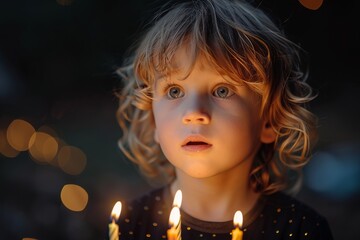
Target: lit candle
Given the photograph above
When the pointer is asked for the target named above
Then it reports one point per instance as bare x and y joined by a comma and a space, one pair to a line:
174, 232
177, 203
177, 199
113, 227
237, 234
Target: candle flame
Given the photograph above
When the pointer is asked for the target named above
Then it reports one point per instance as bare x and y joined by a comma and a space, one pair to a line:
177, 199
115, 213
174, 216
238, 219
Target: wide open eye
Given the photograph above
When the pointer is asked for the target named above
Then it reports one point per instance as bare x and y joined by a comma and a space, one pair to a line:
174, 92
223, 92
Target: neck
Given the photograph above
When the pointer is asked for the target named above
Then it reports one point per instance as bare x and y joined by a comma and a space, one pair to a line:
215, 198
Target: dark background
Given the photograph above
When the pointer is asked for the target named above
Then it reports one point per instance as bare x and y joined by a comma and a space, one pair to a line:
57, 62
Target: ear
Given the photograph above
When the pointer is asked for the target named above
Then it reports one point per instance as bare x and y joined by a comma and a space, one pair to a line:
268, 134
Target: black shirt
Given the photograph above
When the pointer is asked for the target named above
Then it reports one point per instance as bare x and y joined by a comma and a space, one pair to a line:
277, 216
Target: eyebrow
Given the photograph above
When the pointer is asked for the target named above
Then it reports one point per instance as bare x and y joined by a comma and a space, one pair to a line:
161, 79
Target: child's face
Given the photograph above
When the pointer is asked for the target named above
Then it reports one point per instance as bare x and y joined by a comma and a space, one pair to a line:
205, 125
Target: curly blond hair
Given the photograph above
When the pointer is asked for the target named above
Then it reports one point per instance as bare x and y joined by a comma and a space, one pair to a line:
244, 42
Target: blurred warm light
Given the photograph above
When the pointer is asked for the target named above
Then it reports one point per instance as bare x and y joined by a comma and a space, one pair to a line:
61, 143
238, 219
74, 197
48, 130
43, 147
177, 199
311, 4
29, 239
19, 133
115, 213
71, 160
64, 2
174, 218
5, 148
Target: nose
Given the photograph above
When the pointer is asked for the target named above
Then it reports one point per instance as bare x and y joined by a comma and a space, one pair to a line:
196, 112
196, 118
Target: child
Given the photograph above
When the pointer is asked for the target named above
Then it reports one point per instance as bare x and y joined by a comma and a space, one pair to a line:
214, 105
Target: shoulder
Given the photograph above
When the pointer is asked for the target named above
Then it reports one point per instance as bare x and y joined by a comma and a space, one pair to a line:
154, 201
282, 203
289, 216
150, 197
286, 202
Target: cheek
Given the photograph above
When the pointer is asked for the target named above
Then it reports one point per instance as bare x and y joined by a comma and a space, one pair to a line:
166, 137
156, 136
164, 122
239, 121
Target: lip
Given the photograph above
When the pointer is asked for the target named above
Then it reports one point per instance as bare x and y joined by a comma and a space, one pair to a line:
196, 143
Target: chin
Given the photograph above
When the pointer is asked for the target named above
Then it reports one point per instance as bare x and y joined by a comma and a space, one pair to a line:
198, 172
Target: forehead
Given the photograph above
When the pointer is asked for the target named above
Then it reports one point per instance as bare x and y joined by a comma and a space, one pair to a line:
185, 60
188, 57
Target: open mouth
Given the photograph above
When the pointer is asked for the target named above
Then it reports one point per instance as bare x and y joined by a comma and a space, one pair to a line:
195, 144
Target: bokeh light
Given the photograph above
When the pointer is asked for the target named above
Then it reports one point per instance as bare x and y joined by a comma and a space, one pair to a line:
5, 148
19, 133
48, 130
335, 173
43, 147
71, 160
74, 197
311, 4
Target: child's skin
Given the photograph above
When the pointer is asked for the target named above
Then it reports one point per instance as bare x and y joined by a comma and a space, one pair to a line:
214, 104
223, 119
